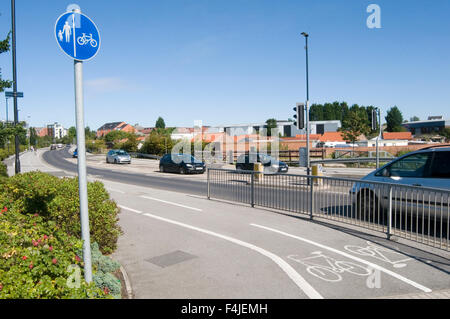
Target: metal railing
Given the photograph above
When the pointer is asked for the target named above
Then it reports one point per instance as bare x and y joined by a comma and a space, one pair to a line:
415, 213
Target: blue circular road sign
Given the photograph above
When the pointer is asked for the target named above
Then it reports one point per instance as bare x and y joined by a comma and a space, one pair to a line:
77, 36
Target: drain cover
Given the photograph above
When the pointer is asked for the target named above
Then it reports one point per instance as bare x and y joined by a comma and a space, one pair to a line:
170, 259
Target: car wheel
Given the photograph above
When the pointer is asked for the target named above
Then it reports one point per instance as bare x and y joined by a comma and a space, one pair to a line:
367, 207
182, 171
161, 168
115, 161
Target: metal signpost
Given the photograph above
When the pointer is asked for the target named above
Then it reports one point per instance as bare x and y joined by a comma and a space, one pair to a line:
79, 38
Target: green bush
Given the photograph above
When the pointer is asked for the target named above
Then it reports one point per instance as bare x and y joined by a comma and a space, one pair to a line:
57, 200
36, 258
3, 170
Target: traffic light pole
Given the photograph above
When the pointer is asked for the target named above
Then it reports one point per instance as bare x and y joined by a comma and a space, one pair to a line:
378, 138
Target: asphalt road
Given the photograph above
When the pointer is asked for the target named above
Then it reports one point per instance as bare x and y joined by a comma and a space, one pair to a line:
179, 245
57, 158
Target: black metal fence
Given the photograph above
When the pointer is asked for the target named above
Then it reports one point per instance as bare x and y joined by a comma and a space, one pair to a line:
416, 213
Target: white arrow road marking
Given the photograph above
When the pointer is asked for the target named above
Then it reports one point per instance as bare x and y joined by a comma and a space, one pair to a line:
292, 274
374, 266
171, 203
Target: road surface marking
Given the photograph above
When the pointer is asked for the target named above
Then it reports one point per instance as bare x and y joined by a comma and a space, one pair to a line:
171, 203
130, 209
374, 266
115, 190
288, 269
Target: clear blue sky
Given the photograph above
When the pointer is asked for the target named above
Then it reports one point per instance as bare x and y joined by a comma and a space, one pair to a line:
231, 61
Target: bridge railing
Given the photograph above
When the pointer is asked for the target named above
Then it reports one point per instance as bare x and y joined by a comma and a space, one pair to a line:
415, 213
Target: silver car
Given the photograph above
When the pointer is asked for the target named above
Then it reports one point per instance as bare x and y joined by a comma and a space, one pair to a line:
411, 179
118, 157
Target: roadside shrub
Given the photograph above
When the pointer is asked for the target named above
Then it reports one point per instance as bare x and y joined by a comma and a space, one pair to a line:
57, 200
3, 170
35, 256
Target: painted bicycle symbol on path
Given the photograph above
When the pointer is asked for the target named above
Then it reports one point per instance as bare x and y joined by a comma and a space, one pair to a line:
397, 260
329, 269
85, 39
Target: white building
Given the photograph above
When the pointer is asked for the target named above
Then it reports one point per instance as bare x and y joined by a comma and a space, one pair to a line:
56, 130
285, 128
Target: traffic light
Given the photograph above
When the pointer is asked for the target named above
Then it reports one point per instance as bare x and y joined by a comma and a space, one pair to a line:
299, 116
374, 120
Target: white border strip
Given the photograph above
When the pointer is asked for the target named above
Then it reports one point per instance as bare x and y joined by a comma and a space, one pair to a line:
171, 203
374, 266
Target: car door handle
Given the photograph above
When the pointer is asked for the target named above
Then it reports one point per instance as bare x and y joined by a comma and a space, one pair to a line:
416, 185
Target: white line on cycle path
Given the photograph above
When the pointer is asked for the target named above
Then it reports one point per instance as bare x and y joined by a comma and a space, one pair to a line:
374, 266
292, 274
130, 209
172, 203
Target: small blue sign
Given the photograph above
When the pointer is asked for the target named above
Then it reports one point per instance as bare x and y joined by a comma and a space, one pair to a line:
77, 36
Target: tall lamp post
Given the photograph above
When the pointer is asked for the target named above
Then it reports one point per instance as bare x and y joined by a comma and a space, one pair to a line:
306, 35
16, 113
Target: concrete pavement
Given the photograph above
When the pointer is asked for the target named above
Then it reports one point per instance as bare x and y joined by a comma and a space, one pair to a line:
178, 245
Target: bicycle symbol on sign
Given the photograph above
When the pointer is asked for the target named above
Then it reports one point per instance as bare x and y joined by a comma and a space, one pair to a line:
332, 269
85, 39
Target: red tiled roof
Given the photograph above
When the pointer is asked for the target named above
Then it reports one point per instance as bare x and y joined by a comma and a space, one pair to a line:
397, 136
331, 137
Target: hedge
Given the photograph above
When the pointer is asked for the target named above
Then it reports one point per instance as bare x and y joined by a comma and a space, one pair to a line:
40, 238
36, 257
57, 200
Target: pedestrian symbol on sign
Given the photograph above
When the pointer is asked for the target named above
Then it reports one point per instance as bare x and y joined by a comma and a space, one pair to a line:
77, 36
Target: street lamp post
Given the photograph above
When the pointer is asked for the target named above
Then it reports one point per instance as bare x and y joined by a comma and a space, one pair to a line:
306, 35
16, 113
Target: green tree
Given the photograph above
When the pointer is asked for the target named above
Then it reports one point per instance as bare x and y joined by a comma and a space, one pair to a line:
414, 119
394, 119
157, 144
354, 124
115, 136
33, 137
160, 124
4, 47
131, 144
271, 124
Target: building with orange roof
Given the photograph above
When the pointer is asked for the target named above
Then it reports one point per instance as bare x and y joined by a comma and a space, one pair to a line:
397, 136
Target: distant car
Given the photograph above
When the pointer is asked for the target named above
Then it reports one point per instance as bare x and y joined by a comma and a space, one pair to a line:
118, 157
60, 145
52, 147
271, 165
75, 153
428, 167
181, 163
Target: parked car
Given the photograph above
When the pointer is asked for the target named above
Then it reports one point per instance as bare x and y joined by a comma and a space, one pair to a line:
429, 167
60, 145
52, 147
181, 163
75, 153
271, 165
118, 157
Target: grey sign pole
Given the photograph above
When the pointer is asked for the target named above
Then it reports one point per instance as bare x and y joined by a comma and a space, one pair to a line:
82, 178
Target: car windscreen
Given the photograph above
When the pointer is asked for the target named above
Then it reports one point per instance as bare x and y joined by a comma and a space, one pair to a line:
121, 153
